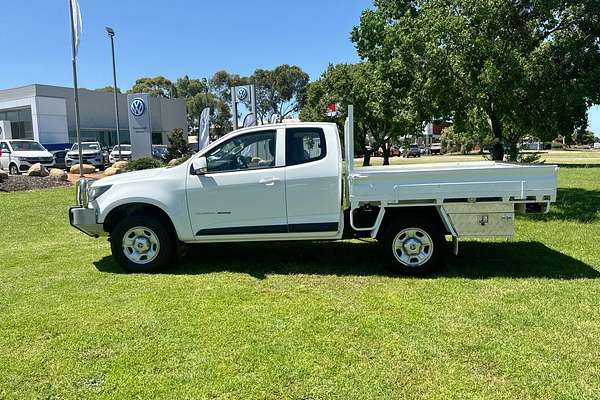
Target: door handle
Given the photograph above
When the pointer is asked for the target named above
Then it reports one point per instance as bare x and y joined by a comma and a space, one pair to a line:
269, 181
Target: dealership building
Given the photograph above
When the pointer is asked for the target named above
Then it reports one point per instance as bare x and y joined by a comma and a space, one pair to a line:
47, 114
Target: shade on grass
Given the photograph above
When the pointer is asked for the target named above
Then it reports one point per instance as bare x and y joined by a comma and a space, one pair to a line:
515, 319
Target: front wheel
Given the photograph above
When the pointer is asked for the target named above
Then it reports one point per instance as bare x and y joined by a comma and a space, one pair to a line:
13, 169
140, 243
414, 247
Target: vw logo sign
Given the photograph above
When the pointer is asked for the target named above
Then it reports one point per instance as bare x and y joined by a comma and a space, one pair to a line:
137, 107
242, 94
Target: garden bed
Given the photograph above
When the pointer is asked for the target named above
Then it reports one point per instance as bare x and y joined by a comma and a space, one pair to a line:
19, 183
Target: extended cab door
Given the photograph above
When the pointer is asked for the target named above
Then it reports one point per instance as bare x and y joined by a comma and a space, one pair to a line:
242, 196
313, 180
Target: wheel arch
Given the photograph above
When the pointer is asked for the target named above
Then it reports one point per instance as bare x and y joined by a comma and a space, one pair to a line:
139, 208
427, 213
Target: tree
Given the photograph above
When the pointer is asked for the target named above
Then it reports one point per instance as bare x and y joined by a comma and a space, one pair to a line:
279, 91
107, 89
158, 86
178, 146
527, 68
584, 137
374, 105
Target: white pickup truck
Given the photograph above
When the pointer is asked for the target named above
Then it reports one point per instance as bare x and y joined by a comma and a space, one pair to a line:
289, 182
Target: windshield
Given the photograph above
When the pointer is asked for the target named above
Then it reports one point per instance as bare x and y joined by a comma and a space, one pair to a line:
26, 146
86, 146
124, 147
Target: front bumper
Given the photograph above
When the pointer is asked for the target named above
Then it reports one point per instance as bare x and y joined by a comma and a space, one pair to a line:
96, 162
84, 219
25, 165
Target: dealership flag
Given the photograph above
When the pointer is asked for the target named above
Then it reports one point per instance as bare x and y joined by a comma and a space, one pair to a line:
77, 26
249, 120
204, 131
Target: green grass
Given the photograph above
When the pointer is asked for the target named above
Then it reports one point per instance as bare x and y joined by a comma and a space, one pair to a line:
561, 157
513, 319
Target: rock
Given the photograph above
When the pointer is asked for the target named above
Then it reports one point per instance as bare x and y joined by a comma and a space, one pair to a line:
37, 170
87, 169
3, 175
173, 162
112, 171
58, 174
120, 165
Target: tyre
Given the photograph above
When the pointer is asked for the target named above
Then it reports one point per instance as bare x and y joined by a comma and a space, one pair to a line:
414, 247
13, 169
141, 243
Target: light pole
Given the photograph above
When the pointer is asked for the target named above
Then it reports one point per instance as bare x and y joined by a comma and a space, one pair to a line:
111, 35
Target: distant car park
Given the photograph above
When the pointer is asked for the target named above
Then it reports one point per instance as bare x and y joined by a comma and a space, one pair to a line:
159, 152
412, 151
19, 155
125, 154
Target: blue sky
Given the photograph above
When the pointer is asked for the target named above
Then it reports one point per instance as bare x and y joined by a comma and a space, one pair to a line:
176, 37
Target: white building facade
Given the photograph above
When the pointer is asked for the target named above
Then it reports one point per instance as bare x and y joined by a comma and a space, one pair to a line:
47, 114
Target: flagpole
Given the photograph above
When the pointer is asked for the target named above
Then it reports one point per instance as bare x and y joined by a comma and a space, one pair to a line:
74, 60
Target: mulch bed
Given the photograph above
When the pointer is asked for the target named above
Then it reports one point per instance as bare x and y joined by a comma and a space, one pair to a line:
22, 183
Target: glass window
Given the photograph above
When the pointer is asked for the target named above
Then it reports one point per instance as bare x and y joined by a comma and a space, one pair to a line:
85, 146
251, 151
157, 138
4, 146
26, 146
304, 145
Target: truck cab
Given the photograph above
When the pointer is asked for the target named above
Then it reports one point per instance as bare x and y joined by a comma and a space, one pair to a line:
290, 182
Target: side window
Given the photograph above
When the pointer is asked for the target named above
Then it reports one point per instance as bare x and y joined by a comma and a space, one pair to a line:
304, 145
4, 147
252, 151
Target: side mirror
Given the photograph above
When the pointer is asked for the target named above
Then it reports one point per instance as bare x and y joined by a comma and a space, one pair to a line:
199, 166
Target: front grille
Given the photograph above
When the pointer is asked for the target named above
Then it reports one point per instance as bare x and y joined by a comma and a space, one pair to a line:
34, 160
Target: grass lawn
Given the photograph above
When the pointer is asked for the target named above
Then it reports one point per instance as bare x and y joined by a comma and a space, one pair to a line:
513, 319
562, 157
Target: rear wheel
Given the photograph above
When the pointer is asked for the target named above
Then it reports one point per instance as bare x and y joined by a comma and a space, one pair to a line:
414, 247
141, 243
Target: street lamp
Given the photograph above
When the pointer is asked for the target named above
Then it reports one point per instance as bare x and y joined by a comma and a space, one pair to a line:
111, 35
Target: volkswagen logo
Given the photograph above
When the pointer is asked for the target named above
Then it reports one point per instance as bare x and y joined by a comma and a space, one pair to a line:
137, 107
242, 93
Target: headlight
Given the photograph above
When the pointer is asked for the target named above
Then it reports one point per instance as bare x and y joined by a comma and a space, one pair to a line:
97, 191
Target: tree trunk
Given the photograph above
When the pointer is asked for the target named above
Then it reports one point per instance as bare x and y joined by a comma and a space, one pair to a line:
368, 150
498, 146
386, 152
367, 159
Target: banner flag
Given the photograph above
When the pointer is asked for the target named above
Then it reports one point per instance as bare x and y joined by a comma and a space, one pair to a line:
77, 24
249, 120
204, 131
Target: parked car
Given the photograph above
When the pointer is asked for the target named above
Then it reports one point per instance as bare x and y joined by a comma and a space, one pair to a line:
159, 152
287, 182
436, 148
92, 153
125, 154
597, 146
412, 151
19, 155
59, 158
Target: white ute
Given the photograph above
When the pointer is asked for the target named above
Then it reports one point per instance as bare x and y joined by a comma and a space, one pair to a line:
289, 182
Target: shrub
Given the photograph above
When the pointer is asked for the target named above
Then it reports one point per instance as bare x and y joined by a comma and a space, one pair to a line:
178, 146
143, 163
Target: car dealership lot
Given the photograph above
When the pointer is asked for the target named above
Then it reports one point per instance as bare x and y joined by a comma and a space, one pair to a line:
503, 320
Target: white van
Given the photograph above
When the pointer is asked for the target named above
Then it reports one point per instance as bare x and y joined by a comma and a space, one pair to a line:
597, 146
18, 155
